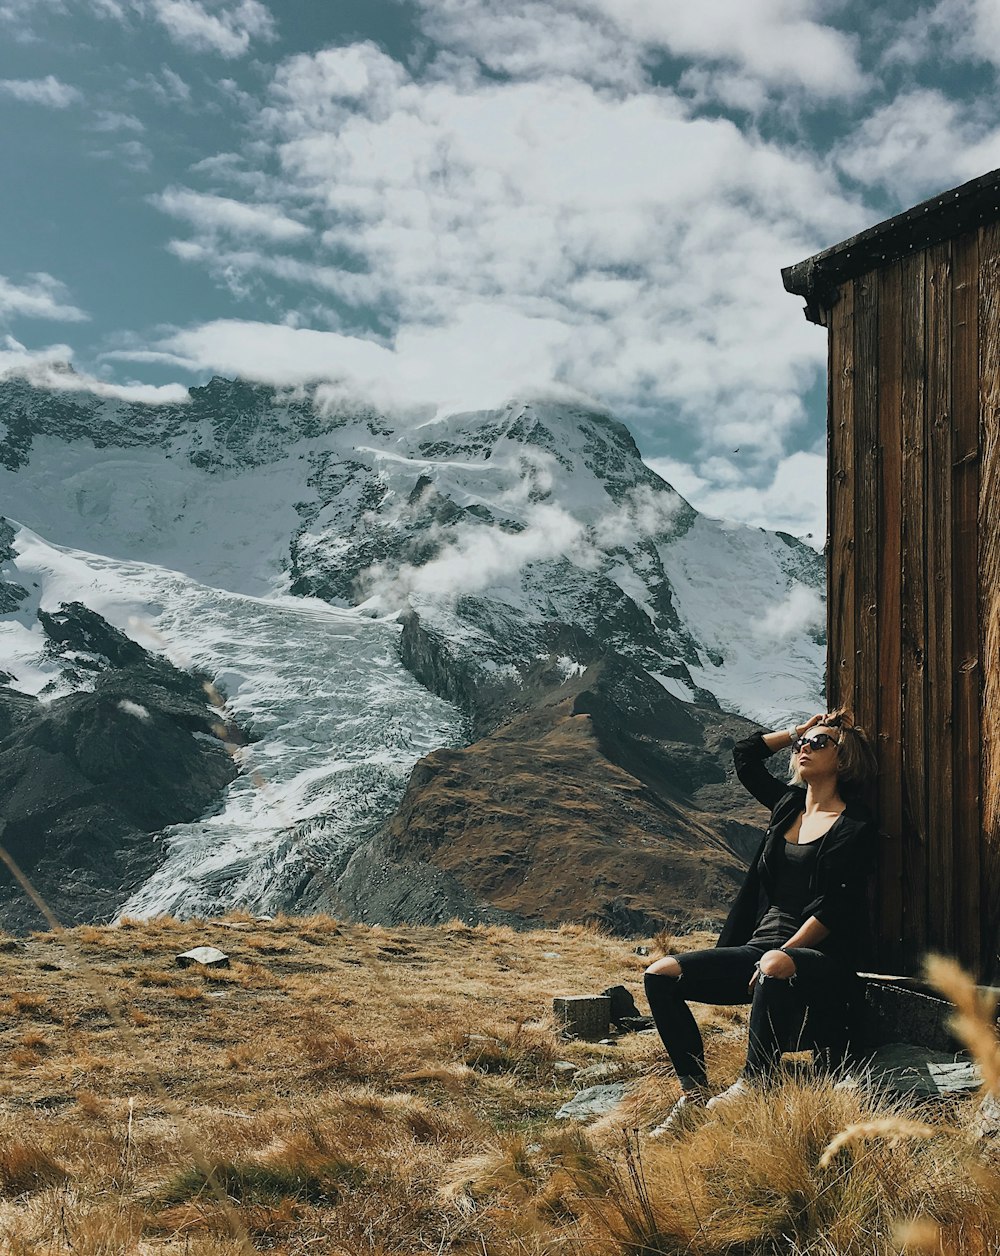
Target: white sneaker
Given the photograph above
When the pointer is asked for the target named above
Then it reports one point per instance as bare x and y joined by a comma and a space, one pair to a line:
727, 1097
683, 1116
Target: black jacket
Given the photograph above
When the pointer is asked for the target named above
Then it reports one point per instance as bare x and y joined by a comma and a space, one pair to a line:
843, 864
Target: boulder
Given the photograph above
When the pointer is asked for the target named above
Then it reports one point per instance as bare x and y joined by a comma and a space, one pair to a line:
594, 1101
206, 956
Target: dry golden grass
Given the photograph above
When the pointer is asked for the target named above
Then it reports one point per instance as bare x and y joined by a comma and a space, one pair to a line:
349, 1090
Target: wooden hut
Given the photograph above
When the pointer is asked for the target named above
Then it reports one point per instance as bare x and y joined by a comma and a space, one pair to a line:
912, 311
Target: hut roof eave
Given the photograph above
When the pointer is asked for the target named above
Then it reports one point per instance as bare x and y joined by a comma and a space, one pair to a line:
941, 218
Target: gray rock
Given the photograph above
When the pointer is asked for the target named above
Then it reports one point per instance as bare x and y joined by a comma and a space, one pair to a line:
594, 1101
597, 1073
206, 956
622, 1004
565, 1067
986, 1122
920, 1073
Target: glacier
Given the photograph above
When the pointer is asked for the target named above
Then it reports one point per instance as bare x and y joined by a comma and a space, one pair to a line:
336, 721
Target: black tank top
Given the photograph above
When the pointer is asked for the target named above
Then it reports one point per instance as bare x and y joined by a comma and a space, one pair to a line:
793, 877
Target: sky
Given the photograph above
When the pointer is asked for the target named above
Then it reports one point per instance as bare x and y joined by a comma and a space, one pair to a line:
444, 204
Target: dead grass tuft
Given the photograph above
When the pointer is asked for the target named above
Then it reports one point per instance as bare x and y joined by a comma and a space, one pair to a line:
27, 1166
893, 1129
22, 1001
516, 1048
288, 1174
189, 994
337, 1052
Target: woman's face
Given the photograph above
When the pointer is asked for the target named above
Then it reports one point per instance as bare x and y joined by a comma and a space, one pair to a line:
814, 761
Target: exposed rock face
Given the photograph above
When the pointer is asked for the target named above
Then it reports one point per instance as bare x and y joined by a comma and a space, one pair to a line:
11, 594
86, 779
607, 800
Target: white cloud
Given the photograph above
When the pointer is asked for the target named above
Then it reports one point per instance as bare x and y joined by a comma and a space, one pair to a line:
920, 143
52, 368
134, 708
483, 355
42, 296
535, 39
780, 44
167, 87
803, 610
224, 28
679, 475
474, 557
17, 15
149, 356
109, 120
48, 91
792, 498
542, 201
777, 41
212, 214
477, 558
133, 154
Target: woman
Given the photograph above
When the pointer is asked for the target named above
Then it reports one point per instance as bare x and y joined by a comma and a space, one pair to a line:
797, 929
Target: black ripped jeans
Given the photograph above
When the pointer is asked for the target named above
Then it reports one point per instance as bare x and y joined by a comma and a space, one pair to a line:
810, 1010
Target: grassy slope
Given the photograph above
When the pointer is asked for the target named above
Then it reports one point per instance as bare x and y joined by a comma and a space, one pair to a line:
359, 1090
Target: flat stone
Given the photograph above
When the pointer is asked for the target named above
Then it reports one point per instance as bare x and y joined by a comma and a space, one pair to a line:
565, 1066
594, 1101
597, 1073
920, 1073
636, 1024
207, 956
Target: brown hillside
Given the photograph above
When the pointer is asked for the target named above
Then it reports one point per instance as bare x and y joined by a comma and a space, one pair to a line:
607, 800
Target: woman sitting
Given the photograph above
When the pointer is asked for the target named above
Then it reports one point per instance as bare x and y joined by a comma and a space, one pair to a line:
797, 929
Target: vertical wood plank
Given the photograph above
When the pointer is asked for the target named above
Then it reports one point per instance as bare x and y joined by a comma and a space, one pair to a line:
941, 852
914, 612
989, 582
866, 562
840, 503
889, 598
967, 674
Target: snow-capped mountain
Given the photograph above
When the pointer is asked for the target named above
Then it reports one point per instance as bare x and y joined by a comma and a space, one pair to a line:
280, 545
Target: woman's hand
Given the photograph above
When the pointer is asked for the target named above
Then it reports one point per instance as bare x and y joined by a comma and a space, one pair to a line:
783, 737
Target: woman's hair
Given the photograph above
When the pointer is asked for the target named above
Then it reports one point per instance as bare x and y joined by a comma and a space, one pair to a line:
856, 761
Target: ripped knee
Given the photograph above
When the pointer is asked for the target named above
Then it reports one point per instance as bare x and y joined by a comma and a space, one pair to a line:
666, 967
777, 964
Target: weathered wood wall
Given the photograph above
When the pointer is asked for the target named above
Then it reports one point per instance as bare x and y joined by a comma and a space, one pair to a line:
914, 583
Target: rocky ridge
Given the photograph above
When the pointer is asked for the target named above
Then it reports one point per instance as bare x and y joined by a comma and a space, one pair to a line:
87, 778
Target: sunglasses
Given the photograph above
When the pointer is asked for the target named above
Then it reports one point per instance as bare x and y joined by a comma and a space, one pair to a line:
818, 741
